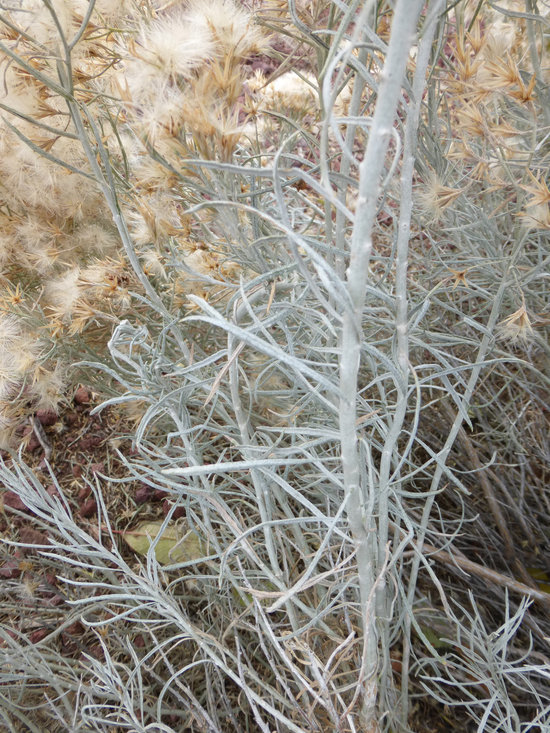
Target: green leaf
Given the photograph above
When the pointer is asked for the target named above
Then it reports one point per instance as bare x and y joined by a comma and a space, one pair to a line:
175, 544
434, 639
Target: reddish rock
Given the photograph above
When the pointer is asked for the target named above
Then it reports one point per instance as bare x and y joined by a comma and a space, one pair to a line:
54, 600
30, 536
14, 501
139, 641
76, 470
82, 396
32, 442
71, 418
46, 417
143, 494
177, 513
97, 467
38, 635
88, 508
75, 629
10, 569
89, 441
160, 495
96, 651
51, 579
12, 634
68, 645
84, 493
52, 490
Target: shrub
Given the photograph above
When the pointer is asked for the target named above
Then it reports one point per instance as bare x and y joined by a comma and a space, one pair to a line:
325, 321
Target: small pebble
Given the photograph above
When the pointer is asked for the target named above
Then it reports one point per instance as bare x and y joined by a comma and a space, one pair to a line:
10, 569
88, 508
38, 635
14, 501
46, 417
96, 651
54, 600
82, 396
31, 536
176, 514
84, 493
52, 490
89, 441
32, 443
143, 494
75, 629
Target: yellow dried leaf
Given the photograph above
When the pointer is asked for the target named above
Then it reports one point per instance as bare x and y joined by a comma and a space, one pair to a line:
175, 544
542, 578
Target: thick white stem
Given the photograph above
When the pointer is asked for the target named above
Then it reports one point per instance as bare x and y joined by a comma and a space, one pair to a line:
361, 517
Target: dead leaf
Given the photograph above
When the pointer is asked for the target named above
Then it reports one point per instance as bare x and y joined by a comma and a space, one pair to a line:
542, 578
175, 544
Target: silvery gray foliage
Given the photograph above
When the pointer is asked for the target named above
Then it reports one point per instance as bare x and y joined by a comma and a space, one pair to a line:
287, 421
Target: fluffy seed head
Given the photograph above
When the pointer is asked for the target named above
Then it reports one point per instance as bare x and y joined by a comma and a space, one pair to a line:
47, 387
434, 197
516, 329
62, 293
174, 46
231, 26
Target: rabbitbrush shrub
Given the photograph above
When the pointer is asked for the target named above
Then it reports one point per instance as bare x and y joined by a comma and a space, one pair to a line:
305, 245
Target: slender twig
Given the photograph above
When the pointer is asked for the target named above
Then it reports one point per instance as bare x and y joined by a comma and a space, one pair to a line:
41, 436
481, 571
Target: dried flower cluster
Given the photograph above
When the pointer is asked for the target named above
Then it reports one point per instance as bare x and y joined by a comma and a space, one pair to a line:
489, 84
169, 84
493, 85
58, 241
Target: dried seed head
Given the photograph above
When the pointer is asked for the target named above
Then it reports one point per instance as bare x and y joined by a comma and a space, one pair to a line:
434, 197
175, 47
62, 293
536, 217
47, 387
231, 26
291, 92
516, 329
